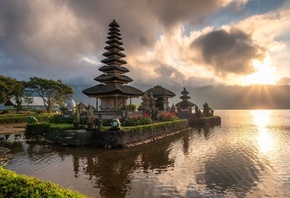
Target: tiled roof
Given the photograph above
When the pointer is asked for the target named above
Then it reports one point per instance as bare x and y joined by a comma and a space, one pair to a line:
159, 91
103, 90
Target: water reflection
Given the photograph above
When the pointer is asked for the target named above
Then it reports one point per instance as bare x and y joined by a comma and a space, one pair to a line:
110, 171
265, 138
235, 160
241, 173
206, 131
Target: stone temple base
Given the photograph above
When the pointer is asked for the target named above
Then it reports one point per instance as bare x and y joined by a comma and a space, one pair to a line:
213, 120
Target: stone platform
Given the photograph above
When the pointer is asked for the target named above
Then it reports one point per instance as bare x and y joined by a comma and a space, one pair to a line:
213, 120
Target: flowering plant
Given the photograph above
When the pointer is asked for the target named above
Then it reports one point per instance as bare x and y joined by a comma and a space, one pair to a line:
137, 120
166, 116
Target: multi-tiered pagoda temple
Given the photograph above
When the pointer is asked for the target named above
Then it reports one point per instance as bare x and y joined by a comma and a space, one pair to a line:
184, 108
112, 91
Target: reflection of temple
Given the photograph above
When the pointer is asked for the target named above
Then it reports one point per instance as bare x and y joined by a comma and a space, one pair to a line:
110, 170
184, 108
161, 94
112, 92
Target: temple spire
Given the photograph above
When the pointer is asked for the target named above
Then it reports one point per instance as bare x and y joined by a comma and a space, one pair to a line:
113, 90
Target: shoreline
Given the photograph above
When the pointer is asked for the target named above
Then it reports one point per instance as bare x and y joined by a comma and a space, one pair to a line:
12, 128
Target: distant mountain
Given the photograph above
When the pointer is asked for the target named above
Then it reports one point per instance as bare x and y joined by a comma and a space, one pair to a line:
224, 97
243, 97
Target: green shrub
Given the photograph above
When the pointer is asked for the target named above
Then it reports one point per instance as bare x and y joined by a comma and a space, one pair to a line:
131, 107
22, 118
13, 185
106, 122
37, 129
48, 130
158, 127
56, 129
58, 118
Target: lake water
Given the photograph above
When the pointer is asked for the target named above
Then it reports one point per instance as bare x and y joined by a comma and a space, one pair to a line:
248, 155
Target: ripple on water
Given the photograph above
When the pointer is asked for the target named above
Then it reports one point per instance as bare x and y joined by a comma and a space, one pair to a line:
244, 157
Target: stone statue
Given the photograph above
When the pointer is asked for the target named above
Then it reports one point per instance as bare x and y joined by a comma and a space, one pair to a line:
152, 105
116, 125
145, 103
31, 119
77, 117
100, 121
91, 116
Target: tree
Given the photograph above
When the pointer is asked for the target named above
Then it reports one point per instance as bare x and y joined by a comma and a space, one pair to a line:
206, 109
52, 92
28, 99
10, 87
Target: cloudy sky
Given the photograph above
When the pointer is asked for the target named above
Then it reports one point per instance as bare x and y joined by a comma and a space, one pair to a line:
176, 44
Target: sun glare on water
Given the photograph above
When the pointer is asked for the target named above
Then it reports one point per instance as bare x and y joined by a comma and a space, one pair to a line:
265, 139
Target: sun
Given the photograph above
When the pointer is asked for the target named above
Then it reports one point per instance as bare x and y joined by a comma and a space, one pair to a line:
265, 73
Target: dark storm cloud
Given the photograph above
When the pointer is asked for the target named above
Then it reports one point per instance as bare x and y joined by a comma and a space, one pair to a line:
49, 37
139, 19
43, 38
170, 13
228, 52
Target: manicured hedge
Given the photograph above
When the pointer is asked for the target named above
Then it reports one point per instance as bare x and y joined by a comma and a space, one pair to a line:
37, 129
158, 128
138, 134
48, 130
22, 118
14, 185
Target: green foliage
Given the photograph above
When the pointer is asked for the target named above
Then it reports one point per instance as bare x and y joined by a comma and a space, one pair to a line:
56, 129
140, 107
37, 129
135, 134
13, 185
48, 130
57, 119
22, 118
28, 99
130, 135
52, 92
159, 126
131, 107
106, 122
10, 87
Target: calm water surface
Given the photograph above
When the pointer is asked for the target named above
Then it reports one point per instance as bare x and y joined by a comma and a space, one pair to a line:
247, 156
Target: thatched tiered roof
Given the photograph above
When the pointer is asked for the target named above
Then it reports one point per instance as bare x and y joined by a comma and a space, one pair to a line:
113, 78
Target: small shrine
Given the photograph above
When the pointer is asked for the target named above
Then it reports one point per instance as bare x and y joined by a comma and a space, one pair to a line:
161, 96
82, 106
184, 108
112, 90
